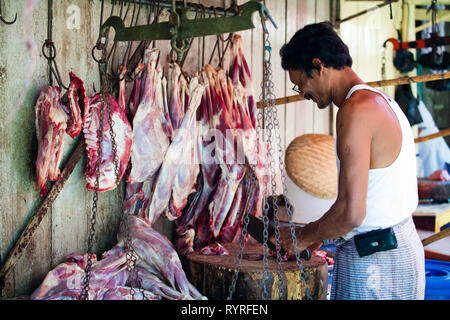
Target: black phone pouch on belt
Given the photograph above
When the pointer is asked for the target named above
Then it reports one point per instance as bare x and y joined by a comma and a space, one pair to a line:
375, 241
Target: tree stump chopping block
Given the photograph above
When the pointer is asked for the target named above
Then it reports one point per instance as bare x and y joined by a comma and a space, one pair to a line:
212, 275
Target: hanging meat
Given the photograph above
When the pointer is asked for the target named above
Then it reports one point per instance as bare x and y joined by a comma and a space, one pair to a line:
75, 101
51, 123
158, 265
232, 170
138, 196
123, 139
176, 153
239, 71
150, 140
209, 175
55, 115
108, 280
176, 95
135, 97
185, 180
236, 151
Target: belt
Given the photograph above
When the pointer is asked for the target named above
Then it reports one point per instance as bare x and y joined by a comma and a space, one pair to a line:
341, 240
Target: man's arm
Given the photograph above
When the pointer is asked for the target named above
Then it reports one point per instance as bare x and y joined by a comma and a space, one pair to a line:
354, 130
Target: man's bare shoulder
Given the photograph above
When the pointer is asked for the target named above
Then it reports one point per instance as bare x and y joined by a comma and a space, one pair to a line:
363, 107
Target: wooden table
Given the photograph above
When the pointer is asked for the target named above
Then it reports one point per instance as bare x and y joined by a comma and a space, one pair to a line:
432, 217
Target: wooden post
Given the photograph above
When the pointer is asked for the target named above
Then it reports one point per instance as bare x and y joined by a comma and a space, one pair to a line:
41, 211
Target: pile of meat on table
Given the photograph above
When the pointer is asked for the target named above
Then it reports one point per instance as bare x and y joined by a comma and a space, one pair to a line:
188, 151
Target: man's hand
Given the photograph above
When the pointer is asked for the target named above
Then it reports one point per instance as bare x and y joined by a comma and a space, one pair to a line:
287, 242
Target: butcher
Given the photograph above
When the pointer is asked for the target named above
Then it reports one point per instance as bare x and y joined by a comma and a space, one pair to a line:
378, 252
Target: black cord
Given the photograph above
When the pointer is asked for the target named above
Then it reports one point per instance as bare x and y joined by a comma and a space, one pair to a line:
390, 8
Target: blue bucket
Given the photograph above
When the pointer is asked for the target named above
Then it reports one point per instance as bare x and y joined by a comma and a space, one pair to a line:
437, 277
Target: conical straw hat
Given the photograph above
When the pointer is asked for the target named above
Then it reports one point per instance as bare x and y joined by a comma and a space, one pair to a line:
311, 164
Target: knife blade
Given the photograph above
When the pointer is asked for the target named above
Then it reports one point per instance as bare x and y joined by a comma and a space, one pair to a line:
256, 229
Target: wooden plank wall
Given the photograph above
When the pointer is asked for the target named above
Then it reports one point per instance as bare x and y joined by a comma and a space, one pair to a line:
365, 36
64, 229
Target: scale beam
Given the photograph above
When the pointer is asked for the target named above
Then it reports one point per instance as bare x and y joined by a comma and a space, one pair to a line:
180, 27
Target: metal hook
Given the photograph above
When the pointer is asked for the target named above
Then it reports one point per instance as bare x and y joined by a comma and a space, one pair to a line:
52, 50
8, 22
3, 19
264, 12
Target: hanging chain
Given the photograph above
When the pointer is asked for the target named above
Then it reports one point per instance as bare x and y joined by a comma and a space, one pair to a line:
269, 104
131, 257
270, 123
246, 220
242, 240
91, 238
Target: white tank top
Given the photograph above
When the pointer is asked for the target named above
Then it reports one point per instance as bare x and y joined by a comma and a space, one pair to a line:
392, 191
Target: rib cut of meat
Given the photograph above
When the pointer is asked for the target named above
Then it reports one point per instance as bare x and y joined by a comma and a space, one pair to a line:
124, 140
51, 123
150, 140
75, 101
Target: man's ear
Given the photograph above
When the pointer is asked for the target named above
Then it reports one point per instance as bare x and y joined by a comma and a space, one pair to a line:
318, 65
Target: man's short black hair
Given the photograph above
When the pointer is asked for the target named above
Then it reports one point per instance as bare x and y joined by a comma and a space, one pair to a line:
318, 40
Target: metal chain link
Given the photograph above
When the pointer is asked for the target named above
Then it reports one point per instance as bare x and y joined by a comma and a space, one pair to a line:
246, 219
269, 104
242, 241
268, 178
271, 122
131, 257
87, 270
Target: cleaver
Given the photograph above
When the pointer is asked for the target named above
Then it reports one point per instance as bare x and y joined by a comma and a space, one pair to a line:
256, 229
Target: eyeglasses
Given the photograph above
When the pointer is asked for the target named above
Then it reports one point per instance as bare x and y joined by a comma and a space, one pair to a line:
296, 89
